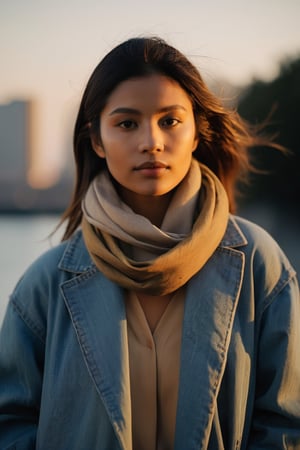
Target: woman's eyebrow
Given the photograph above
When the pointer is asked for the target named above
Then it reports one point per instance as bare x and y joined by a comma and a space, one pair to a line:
126, 110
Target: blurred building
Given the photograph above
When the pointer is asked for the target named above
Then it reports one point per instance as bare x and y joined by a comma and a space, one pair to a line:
14, 141
17, 153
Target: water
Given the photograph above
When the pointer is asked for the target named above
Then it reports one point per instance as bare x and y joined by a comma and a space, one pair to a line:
23, 238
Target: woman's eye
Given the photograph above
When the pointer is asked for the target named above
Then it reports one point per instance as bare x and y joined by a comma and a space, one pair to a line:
127, 124
169, 122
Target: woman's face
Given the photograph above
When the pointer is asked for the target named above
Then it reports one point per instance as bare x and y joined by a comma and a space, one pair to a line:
148, 135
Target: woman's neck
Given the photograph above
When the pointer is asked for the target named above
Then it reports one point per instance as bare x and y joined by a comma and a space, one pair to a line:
151, 207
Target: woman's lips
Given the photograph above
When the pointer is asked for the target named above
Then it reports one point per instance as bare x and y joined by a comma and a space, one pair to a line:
152, 165
152, 168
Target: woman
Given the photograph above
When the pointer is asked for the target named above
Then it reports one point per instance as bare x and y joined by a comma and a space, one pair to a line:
162, 320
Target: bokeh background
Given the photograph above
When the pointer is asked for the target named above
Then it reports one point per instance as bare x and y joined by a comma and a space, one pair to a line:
248, 53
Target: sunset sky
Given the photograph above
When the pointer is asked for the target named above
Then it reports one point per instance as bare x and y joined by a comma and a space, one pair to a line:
48, 49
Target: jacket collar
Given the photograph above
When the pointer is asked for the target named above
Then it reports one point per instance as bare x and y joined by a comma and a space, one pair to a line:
233, 236
77, 259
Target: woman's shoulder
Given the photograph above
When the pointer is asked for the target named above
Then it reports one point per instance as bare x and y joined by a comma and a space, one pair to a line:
41, 282
254, 236
44, 265
68, 256
264, 257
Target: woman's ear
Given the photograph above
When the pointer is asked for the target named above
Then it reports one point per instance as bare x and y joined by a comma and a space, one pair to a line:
97, 146
196, 142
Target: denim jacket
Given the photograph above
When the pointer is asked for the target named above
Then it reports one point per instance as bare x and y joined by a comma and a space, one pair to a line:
64, 371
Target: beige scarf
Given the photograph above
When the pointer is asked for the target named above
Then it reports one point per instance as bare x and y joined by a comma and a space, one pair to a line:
137, 255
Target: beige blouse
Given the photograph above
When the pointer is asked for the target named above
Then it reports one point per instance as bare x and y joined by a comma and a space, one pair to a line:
154, 361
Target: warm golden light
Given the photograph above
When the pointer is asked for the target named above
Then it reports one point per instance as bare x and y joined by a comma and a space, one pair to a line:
39, 178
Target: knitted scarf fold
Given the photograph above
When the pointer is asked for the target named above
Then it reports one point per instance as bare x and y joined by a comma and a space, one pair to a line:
131, 251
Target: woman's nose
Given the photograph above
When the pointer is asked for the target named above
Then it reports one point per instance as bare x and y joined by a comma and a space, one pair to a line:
151, 140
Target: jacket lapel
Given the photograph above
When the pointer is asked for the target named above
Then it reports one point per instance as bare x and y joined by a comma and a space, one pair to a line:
210, 307
102, 334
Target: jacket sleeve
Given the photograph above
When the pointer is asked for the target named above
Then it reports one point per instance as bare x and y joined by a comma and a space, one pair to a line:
21, 368
276, 416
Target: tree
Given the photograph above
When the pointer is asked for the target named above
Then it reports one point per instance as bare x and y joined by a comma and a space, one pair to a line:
281, 98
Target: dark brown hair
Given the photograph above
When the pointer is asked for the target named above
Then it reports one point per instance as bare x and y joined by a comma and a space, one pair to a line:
224, 138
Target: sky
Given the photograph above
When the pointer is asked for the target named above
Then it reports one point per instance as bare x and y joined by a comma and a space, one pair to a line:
49, 49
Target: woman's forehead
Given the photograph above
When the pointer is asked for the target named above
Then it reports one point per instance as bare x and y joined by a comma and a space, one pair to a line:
155, 89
